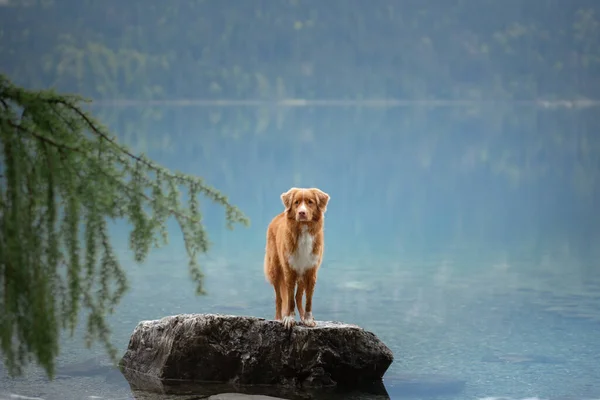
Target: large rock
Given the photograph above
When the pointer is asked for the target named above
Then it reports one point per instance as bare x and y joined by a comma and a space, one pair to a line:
248, 350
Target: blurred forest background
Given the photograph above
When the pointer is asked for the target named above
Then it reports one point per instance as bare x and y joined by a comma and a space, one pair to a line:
490, 140
142, 60
310, 49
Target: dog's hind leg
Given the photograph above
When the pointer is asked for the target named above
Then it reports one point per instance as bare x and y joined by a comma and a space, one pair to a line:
277, 280
278, 297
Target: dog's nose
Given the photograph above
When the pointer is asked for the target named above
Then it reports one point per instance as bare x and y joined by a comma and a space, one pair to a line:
302, 213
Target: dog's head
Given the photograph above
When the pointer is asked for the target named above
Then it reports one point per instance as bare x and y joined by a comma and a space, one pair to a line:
305, 205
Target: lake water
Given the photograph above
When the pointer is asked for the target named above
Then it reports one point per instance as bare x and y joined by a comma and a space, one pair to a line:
465, 238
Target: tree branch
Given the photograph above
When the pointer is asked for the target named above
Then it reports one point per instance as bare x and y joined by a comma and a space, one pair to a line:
98, 132
45, 139
203, 188
126, 188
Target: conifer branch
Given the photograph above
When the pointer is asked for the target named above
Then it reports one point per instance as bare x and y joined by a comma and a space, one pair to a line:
57, 178
44, 139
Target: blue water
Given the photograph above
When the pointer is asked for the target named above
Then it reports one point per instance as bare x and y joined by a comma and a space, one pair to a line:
453, 234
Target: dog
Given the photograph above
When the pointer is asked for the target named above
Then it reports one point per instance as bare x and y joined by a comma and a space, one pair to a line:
294, 252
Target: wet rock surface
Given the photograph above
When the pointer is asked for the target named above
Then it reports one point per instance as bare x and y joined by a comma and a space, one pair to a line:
217, 391
249, 351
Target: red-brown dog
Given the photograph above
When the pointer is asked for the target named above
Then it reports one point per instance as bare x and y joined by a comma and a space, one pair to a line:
294, 252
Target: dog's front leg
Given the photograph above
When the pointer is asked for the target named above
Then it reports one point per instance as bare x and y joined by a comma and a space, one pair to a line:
310, 279
299, 294
289, 314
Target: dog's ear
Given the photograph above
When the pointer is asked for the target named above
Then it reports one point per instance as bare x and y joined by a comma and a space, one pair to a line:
322, 199
286, 198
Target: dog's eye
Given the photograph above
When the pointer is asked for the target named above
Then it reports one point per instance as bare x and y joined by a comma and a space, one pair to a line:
310, 202
296, 202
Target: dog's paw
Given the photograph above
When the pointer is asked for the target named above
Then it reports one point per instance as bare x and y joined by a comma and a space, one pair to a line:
308, 320
289, 321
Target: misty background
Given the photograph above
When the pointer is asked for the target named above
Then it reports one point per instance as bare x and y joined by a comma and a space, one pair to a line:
458, 140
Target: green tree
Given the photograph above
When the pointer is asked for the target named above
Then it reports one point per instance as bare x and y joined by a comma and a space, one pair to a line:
343, 49
62, 177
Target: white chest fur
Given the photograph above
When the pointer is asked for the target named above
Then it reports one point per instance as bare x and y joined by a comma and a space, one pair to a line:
303, 258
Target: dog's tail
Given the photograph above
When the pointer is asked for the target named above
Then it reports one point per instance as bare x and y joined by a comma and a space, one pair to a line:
266, 269
269, 261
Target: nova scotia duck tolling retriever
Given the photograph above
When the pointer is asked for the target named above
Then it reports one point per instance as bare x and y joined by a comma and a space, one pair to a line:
294, 252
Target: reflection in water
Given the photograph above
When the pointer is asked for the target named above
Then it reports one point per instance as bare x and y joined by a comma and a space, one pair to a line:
466, 239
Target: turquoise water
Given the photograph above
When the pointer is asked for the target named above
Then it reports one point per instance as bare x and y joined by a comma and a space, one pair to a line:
456, 235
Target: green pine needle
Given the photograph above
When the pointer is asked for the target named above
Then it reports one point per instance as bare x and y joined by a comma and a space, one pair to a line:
62, 175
